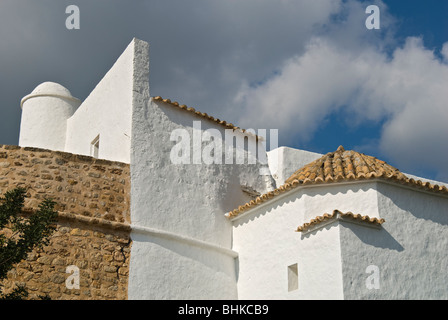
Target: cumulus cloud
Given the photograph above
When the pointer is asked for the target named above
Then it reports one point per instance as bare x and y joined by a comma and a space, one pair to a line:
200, 50
415, 133
405, 91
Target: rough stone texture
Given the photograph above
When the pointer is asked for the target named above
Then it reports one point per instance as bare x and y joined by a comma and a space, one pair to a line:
102, 257
93, 231
79, 184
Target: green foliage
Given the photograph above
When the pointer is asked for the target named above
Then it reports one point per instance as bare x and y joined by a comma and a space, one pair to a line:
28, 233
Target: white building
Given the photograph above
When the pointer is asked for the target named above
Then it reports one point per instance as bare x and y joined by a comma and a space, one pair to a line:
297, 225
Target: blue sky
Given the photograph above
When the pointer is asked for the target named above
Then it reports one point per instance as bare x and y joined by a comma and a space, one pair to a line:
425, 19
307, 68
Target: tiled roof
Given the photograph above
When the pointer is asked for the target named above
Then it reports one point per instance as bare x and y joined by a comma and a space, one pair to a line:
336, 214
204, 115
344, 165
340, 166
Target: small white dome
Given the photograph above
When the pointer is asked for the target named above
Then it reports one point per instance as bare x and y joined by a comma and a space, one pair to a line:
49, 88
45, 112
52, 88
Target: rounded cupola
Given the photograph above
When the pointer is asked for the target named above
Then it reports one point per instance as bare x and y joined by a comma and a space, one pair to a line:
44, 116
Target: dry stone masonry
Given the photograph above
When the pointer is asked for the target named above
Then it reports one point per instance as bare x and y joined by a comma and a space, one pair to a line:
93, 229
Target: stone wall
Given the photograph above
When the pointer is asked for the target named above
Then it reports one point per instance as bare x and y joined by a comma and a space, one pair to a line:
92, 233
79, 184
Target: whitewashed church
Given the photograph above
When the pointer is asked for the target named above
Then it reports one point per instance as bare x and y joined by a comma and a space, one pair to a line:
299, 225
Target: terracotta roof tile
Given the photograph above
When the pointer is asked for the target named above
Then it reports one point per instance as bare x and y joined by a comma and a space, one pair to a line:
204, 115
336, 214
339, 166
345, 165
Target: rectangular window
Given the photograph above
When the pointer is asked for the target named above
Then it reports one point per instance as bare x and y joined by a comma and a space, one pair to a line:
95, 147
293, 277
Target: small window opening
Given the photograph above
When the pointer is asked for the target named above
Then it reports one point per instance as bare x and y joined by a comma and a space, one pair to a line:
293, 277
95, 147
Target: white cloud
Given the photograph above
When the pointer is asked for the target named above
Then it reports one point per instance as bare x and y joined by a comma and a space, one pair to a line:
228, 43
406, 91
444, 52
415, 134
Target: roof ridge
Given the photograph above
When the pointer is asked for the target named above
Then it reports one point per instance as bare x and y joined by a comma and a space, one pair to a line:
206, 116
326, 216
385, 172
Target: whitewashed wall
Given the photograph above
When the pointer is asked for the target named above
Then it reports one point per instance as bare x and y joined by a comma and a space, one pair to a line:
410, 251
358, 198
334, 261
106, 112
284, 161
188, 200
181, 239
267, 243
